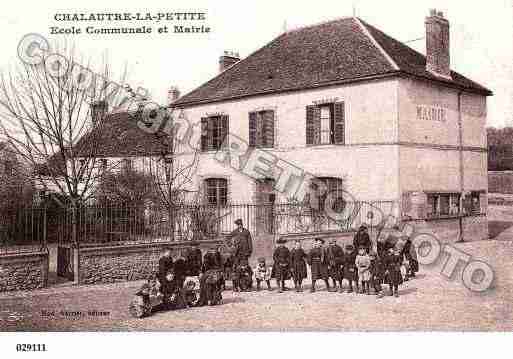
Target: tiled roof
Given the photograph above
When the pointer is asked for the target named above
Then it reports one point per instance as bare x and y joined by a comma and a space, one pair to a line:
334, 52
119, 136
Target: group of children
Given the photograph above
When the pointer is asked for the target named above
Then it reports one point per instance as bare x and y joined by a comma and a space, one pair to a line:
361, 268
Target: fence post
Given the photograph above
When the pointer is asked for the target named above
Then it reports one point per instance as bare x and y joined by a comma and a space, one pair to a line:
45, 229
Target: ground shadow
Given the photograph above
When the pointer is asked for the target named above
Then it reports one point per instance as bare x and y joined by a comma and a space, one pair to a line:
497, 227
418, 276
232, 300
407, 291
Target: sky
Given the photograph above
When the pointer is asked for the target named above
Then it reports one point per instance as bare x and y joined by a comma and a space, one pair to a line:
481, 37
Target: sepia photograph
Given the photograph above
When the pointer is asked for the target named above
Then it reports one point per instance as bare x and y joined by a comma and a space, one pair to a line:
232, 167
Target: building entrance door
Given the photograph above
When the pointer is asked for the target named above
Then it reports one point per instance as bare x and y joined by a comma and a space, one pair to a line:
265, 199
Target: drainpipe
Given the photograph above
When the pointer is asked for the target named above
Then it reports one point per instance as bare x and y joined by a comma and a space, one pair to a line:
461, 169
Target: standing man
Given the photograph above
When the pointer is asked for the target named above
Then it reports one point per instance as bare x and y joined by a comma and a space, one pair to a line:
242, 242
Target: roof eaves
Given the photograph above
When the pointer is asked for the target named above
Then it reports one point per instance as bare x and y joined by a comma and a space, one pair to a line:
293, 89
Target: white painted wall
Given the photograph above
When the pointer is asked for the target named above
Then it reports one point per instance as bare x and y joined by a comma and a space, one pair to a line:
371, 110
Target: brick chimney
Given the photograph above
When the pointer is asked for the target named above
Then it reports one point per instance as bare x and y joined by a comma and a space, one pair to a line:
228, 59
437, 44
98, 111
173, 94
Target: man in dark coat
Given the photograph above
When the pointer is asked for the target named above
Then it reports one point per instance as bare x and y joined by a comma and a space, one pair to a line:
318, 265
194, 259
335, 260
362, 239
242, 242
165, 267
281, 259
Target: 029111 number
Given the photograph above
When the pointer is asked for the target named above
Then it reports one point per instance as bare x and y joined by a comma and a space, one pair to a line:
30, 347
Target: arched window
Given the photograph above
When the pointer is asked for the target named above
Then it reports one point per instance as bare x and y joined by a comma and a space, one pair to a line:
216, 191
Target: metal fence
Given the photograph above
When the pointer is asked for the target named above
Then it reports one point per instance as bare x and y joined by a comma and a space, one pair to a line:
31, 229
22, 230
125, 223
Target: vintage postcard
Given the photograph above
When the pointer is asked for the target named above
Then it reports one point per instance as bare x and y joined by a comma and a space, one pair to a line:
193, 166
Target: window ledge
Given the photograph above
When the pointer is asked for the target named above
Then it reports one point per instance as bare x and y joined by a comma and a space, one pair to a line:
326, 145
440, 217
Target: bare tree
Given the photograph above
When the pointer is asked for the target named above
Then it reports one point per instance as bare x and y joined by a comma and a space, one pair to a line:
173, 172
46, 111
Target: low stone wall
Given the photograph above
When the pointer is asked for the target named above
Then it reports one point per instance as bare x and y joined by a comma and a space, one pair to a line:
102, 264
23, 271
475, 228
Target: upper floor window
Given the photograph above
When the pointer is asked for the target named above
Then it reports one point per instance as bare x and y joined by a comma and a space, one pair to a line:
325, 124
216, 191
261, 129
214, 130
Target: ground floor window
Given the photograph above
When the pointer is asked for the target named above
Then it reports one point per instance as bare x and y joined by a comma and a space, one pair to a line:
473, 202
443, 204
322, 187
216, 191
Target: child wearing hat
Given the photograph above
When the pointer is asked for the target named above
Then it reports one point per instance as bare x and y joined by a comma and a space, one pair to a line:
298, 265
244, 277
363, 262
393, 261
335, 260
350, 270
377, 274
262, 273
281, 259
318, 265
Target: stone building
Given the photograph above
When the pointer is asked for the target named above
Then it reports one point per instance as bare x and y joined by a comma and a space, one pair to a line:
351, 108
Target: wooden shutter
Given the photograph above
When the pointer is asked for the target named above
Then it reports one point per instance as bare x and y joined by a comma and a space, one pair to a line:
224, 131
339, 123
252, 129
204, 134
313, 125
268, 131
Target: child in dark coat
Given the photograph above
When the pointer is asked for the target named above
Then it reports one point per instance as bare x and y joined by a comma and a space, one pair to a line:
244, 281
298, 259
377, 270
393, 262
410, 255
281, 259
335, 260
350, 270
318, 265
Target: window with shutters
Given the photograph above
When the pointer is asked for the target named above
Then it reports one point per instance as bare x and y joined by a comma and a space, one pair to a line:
214, 131
261, 129
216, 191
325, 124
